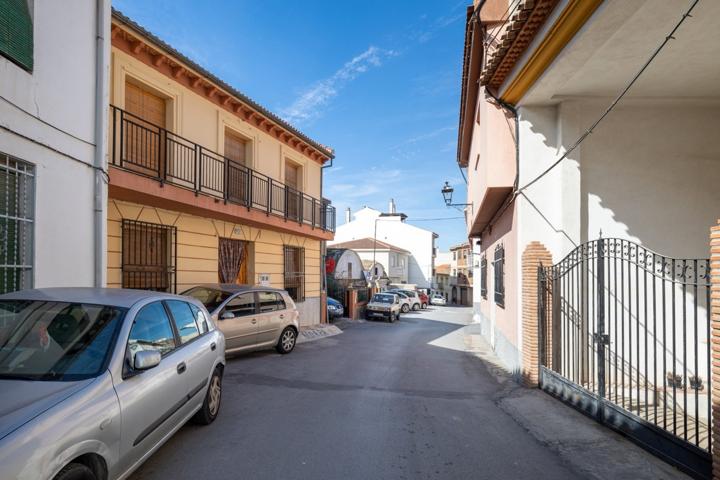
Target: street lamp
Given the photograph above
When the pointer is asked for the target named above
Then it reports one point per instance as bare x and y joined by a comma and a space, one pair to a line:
447, 192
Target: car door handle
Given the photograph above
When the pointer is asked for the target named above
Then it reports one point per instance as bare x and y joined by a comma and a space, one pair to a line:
213, 346
181, 367
254, 321
282, 315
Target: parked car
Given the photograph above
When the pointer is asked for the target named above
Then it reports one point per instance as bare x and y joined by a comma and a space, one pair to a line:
424, 299
415, 302
334, 308
438, 299
405, 301
384, 305
251, 317
93, 381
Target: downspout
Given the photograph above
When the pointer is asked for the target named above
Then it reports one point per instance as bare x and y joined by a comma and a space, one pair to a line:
323, 248
102, 68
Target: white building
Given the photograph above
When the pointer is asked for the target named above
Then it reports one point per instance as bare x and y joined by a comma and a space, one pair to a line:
53, 129
392, 228
393, 261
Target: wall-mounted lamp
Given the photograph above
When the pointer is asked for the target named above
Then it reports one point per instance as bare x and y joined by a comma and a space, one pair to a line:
447, 192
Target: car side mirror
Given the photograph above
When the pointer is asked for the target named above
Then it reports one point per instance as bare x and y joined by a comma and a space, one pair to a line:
146, 359
227, 315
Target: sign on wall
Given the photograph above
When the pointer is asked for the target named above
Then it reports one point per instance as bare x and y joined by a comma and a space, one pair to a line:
264, 279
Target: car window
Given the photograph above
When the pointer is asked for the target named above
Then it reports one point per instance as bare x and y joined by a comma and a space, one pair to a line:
151, 330
185, 320
210, 297
242, 305
270, 302
200, 318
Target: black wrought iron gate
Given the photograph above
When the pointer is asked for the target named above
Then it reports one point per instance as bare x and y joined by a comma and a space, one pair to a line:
624, 337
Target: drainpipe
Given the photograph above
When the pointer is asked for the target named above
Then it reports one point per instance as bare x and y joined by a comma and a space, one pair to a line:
323, 248
102, 68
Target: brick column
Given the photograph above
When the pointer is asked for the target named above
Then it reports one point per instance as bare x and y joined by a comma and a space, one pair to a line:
534, 255
715, 344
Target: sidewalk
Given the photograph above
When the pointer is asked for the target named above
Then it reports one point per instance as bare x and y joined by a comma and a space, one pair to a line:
592, 450
309, 333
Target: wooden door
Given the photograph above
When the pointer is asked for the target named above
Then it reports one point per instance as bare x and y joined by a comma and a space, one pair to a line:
293, 182
143, 128
238, 175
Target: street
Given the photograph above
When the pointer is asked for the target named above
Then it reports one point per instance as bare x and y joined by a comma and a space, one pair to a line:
380, 400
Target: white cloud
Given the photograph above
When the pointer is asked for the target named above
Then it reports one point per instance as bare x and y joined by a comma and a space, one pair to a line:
310, 103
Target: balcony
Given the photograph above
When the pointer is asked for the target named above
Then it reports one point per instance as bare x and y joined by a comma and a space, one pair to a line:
153, 152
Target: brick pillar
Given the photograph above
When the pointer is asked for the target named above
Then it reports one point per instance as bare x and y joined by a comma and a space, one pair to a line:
534, 255
715, 344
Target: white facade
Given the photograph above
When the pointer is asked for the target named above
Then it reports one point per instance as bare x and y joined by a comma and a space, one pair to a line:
394, 264
50, 121
395, 231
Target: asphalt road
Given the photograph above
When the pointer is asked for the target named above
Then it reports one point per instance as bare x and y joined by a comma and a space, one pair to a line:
379, 401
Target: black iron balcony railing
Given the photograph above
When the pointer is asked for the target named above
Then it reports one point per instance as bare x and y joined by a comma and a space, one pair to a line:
146, 149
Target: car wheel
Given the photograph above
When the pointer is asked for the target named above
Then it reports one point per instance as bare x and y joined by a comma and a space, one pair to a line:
286, 343
424, 306
75, 471
405, 308
416, 307
211, 405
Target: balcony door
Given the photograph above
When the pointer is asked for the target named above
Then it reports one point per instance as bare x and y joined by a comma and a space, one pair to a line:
238, 174
293, 189
143, 129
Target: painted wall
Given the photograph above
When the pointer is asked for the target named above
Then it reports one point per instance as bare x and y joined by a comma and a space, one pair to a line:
197, 250
201, 121
53, 107
419, 242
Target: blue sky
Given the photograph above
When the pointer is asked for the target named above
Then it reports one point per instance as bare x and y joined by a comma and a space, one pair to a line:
379, 81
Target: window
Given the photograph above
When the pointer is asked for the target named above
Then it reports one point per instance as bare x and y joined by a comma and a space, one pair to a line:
144, 124
454, 255
483, 277
294, 273
185, 320
242, 305
236, 148
210, 297
16, 33
232, 260
499, 267
349, 270
148, 256
293, 189
270, 302
236, 151
151, 331
17, 197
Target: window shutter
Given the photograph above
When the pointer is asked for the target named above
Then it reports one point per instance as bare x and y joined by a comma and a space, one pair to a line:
16, 32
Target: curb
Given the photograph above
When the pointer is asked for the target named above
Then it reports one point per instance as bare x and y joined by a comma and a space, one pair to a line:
316, 332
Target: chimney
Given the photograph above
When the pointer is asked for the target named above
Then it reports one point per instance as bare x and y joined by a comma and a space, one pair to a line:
348, 215
391, 206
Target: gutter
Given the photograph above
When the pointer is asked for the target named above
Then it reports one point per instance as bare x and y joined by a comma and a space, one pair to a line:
102, 102
323, 245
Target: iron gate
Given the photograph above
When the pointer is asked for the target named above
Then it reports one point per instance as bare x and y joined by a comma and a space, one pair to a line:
624, 337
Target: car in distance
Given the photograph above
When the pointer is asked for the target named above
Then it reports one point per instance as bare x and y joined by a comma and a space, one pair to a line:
414, 302
383, 305
334, 308
424, 299
251, 317
93, 381
405, 301
438, 299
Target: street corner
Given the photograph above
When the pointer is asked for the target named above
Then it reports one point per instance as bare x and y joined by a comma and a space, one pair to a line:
316, 332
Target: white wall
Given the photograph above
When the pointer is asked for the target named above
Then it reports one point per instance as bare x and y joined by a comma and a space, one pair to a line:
417, 241
47, 118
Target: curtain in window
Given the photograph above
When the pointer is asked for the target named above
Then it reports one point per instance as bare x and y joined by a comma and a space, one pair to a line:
231, 256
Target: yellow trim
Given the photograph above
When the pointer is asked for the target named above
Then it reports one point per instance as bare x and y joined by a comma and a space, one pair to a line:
572, 18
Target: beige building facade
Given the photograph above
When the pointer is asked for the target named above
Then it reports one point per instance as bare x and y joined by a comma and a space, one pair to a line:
206, 185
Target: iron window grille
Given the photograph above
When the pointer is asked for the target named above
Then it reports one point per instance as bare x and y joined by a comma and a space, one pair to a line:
294, 272
149, 256
17, 195
499, 269
483, 277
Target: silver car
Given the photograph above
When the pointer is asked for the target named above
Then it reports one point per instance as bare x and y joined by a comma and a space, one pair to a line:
251, 317
93, 381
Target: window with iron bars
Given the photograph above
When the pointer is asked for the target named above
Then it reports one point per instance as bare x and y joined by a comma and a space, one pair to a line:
499, 268
17, 195
149, 256
483, 277
294, 272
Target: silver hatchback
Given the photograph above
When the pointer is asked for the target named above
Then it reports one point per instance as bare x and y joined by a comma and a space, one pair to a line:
93, 381
251, 317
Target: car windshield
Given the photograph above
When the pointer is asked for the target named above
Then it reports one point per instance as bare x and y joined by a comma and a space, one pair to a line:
400, 294
383, 299
57, 341
212, 298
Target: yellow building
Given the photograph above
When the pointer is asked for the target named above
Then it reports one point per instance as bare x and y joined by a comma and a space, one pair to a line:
205, 185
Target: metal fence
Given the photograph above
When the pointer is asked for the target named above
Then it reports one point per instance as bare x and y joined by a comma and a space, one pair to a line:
624, 335
17, 213
150, 150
